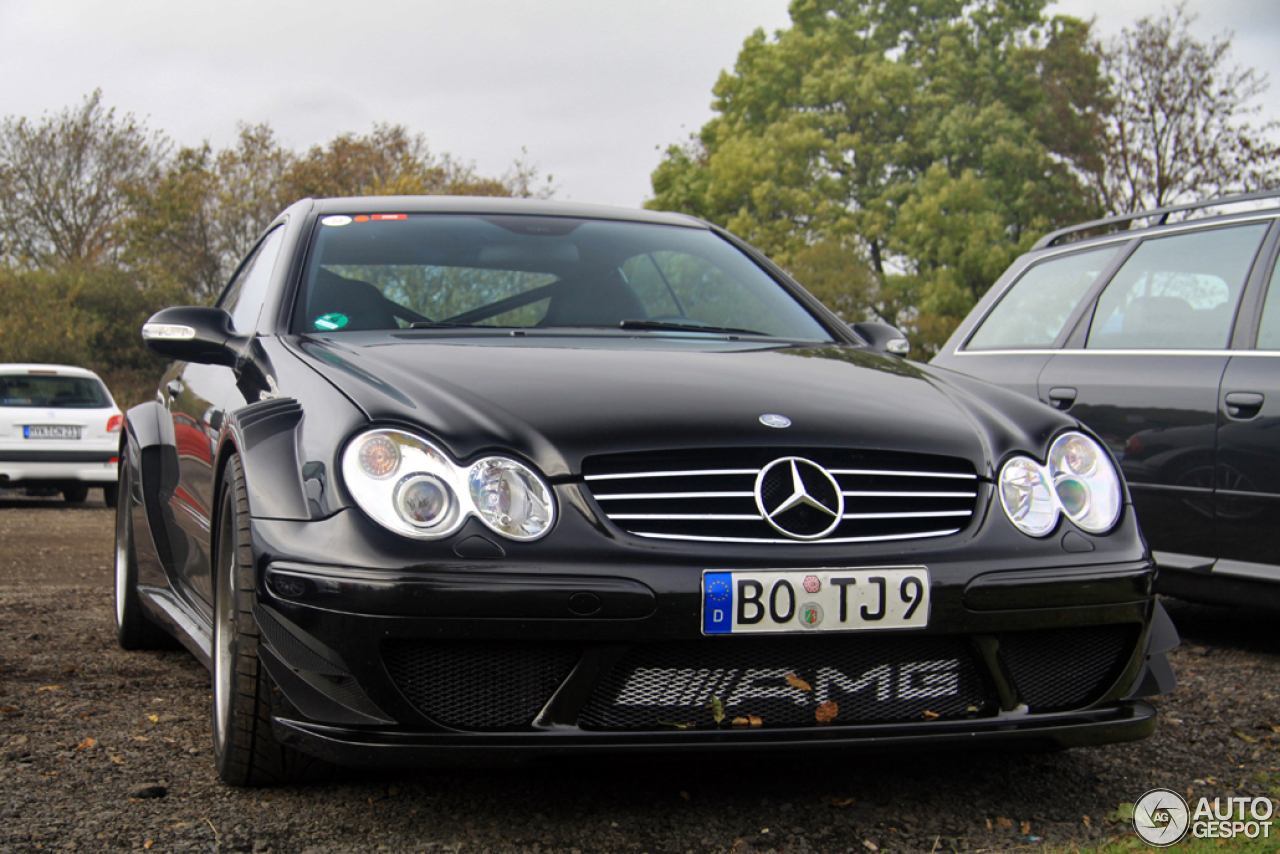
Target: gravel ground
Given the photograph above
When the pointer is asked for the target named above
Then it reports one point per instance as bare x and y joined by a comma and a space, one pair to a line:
104, 750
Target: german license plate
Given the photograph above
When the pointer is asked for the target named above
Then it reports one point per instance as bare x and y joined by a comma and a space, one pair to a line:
51, 431
814, 600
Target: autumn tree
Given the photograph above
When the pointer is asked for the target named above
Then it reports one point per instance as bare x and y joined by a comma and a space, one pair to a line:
1180, 126
918, 146
65, 182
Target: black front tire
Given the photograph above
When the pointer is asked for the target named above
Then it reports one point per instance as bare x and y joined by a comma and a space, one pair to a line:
75, 494
133, 629
245, 749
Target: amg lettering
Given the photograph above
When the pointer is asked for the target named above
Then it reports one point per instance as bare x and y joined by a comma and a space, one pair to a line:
690, 688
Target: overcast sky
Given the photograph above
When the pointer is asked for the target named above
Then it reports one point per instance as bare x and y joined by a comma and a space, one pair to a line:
594, 90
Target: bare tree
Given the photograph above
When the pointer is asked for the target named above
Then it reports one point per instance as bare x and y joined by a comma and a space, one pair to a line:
64, 181
1179, 124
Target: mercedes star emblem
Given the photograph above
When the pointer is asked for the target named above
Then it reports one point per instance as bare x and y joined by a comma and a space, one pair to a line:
799, 498
774, 420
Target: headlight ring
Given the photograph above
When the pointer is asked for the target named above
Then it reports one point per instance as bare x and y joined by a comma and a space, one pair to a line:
1078, 480
411, 487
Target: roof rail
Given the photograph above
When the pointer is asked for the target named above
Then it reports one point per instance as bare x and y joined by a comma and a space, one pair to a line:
1162, 215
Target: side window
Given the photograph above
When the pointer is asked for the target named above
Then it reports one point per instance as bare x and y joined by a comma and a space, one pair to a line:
1032, 313
1269, 329
1177, 293
243, 297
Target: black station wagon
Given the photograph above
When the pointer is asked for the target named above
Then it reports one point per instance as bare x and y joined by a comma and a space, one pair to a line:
479, 479
1161, 331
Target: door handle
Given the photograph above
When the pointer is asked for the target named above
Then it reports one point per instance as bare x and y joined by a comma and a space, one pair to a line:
1062, 397
1243, 405
174, 387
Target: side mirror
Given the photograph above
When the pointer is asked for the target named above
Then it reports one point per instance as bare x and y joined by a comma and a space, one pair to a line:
194, 333
882, 337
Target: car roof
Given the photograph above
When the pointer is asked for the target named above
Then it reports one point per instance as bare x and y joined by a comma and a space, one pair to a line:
36, 368
496, 205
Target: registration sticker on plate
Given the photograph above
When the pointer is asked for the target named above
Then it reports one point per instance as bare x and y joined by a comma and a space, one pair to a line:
815, 600
51, 431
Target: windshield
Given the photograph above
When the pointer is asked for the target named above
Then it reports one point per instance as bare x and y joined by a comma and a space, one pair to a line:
52, 391
392, 271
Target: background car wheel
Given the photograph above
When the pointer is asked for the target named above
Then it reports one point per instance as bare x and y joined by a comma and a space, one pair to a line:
245, 750
111, 494
133, 629
75, 494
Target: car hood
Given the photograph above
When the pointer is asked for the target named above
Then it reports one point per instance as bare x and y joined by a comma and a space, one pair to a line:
556, 401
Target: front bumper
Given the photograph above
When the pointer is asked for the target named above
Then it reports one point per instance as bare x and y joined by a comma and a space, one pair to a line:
490, 659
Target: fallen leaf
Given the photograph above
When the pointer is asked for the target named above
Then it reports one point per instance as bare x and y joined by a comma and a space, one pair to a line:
674, 724
10, 711
869, 845
155, 719
148, 843
1247, 739
1087, 822
1026, 828
1004, 822
84, 715
87, 744
740, 846
50, 688
755, 720
741, 722
837, 802
931, 715
796, 682
717, 710
826, 713
1122, 813
118, 760
988, 824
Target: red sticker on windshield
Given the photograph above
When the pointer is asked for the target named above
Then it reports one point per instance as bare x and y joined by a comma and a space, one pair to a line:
385, 217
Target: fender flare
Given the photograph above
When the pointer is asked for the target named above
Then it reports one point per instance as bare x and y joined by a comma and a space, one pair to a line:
265, 435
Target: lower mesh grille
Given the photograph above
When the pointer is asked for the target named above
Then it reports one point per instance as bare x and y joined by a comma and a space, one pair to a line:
871, 679
1062, 669
479, 685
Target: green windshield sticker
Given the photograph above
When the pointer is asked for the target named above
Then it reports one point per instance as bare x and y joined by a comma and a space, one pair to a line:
331, 321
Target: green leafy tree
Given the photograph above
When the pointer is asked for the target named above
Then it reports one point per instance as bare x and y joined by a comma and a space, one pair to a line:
926, 143
1179, 128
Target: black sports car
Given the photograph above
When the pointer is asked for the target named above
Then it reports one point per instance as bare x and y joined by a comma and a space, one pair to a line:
491, 479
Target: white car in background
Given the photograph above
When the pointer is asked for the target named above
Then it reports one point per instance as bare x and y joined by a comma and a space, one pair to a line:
59, 432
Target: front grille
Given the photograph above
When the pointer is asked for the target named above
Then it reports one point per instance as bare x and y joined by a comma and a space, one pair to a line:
1061, 669
710, 495
478, 685
870, 679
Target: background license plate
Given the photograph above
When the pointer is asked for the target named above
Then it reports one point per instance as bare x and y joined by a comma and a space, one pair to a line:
51, 431
815, 600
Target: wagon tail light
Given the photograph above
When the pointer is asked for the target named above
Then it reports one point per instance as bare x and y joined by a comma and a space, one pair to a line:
114, 423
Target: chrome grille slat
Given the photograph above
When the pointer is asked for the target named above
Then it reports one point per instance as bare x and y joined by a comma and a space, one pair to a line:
709, 495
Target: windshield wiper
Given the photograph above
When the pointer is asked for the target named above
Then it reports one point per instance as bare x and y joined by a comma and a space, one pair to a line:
688, 327
435, 324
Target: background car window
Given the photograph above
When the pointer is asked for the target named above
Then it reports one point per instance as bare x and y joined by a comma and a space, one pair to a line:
243, 297
1269, 329
52, 391
1033, 312
1177, 293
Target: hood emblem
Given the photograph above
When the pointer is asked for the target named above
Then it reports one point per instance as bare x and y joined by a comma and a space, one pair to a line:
772, 420
799, 498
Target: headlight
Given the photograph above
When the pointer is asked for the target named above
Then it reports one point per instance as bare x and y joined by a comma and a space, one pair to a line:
1078, 480
510, 498
411, 487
